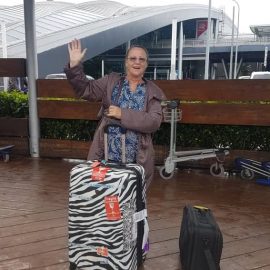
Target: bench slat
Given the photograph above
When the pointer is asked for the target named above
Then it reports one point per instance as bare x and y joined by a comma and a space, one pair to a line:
14, 127
227, 114
54, 88
223, 90
12, 67
57, 109
203, 90
193, 113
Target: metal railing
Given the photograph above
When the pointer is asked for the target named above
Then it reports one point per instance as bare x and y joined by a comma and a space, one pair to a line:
224, 40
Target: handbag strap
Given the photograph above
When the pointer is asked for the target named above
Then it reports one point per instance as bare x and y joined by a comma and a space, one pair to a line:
104, 107
120, 86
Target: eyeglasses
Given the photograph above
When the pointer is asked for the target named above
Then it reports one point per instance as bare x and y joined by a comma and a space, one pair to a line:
135, 59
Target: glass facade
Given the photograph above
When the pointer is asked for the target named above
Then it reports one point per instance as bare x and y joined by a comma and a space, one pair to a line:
158, 44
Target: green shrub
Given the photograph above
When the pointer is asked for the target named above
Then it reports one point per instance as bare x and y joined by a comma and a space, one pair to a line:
14, 104
79, 130
210, 136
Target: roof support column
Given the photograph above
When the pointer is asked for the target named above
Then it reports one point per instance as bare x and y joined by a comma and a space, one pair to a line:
155, 73
224, 68
208, 37
239, 65
128, 45
180, 52
213, 71
232, 49
173, 50
32, 71
102, 68
216, 29
3, 31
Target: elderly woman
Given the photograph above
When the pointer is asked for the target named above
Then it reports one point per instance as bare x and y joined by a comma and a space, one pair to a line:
134, 101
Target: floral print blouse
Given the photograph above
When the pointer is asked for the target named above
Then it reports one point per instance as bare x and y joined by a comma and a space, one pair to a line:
125, 98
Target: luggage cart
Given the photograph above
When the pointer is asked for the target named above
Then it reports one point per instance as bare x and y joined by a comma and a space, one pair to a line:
249, 168
5, 152
172, 114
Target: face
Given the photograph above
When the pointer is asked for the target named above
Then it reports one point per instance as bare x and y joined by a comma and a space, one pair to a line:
136, 63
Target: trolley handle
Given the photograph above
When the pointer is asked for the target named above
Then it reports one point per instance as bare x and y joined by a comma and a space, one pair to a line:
171, 104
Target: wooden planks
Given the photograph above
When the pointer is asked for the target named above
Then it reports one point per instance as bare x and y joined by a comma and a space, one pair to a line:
54, 88
14, 127
222, 90
12, 67
231, 114
58, 109
14, 131
226, 114
64, 148
226, 108
79, 149
38, 239
203, 90
228, 102
21, 145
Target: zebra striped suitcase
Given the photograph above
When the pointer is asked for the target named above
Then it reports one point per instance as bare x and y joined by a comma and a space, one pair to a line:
107, 216
108, 226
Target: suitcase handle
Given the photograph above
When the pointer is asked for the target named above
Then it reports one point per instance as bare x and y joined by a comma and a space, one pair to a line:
123, 132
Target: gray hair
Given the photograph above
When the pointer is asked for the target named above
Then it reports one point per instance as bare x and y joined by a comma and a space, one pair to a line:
137, 46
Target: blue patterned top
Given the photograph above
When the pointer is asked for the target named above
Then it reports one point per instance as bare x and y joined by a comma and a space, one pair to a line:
131, 100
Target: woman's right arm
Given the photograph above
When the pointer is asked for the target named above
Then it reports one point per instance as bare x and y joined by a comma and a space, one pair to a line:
92, 90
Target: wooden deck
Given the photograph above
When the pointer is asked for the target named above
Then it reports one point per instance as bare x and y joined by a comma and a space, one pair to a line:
33, 216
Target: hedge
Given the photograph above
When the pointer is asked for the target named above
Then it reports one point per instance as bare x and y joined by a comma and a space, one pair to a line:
15, 104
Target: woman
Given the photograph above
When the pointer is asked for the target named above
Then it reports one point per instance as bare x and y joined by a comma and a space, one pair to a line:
134, 101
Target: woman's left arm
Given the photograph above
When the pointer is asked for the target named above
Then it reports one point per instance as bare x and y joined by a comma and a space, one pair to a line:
145, 122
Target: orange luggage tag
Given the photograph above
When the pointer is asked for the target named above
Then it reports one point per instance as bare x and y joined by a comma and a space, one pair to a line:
112, 208
99, 173
102, 251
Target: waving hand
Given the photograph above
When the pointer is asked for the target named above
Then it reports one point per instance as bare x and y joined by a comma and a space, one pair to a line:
75, 52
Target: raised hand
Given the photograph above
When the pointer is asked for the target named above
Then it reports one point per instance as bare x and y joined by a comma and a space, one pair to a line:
75, 52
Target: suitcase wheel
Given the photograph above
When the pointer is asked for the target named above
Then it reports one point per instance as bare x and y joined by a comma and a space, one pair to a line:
72, 266
6, 157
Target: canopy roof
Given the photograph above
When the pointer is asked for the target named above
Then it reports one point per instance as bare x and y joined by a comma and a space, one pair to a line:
101, 25
261, 30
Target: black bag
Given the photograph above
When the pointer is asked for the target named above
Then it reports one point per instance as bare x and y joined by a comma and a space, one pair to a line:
201, 240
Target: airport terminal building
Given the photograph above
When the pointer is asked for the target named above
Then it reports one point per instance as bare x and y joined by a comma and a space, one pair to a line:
108, 28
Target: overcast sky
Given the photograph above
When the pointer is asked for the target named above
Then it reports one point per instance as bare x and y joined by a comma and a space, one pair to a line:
251, 12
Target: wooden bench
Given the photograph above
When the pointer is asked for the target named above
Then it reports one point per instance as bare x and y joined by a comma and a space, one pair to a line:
12, 67
222, 102
14, 131
226, 102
